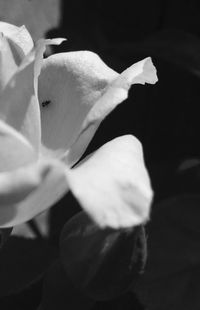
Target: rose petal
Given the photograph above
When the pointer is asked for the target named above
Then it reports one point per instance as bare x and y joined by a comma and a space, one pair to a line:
8, 64
113, 185
68, 86
76, 91
40, 49
19, 105
15, 151
19, 39
116, 92
26, 192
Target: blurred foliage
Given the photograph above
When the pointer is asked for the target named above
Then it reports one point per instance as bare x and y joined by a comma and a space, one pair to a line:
59, 291
102, 263
22, 262
4, 235
171, 278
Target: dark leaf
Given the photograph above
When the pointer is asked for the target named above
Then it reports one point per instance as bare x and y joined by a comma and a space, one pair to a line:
22, 262
59, 292
29, 298
127, 301
101, 263
174, 177
4, 235
171, 277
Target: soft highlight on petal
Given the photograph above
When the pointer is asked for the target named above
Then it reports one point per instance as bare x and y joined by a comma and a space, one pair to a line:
19, 39
70, 83
40, 49
18, 184
115, 93
140, 73
8, 64
15, 150
76, 91
29, 191
113, 185
19, 104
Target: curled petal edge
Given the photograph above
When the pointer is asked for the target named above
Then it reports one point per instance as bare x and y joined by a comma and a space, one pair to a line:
19, 100
115, 93
19, 38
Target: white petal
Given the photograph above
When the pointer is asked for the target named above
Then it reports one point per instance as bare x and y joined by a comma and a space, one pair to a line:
8, 64
76, 91
114, 94
40, 49
26, 192
70, 83
15, 151
19, 104
113, 185
19, 39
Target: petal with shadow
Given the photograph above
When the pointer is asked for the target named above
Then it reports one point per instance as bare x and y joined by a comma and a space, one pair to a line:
69, 85
115, 93
8, 65
19, 39
26, 192
19, 103
15, 150
76, 91
113, 185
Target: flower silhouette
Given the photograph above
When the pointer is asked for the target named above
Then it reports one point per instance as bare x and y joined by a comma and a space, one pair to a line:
49, 111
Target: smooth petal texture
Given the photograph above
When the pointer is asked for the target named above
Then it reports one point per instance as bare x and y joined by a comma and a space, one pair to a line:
113, 185
115, 93
38, 16
40, 49
8, 64
76, 91
19, 104
69, 85
26, 192
17, 184
19, 39
15, 151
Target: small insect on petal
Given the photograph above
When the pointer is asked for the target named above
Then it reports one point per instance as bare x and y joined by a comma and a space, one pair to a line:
45, 103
